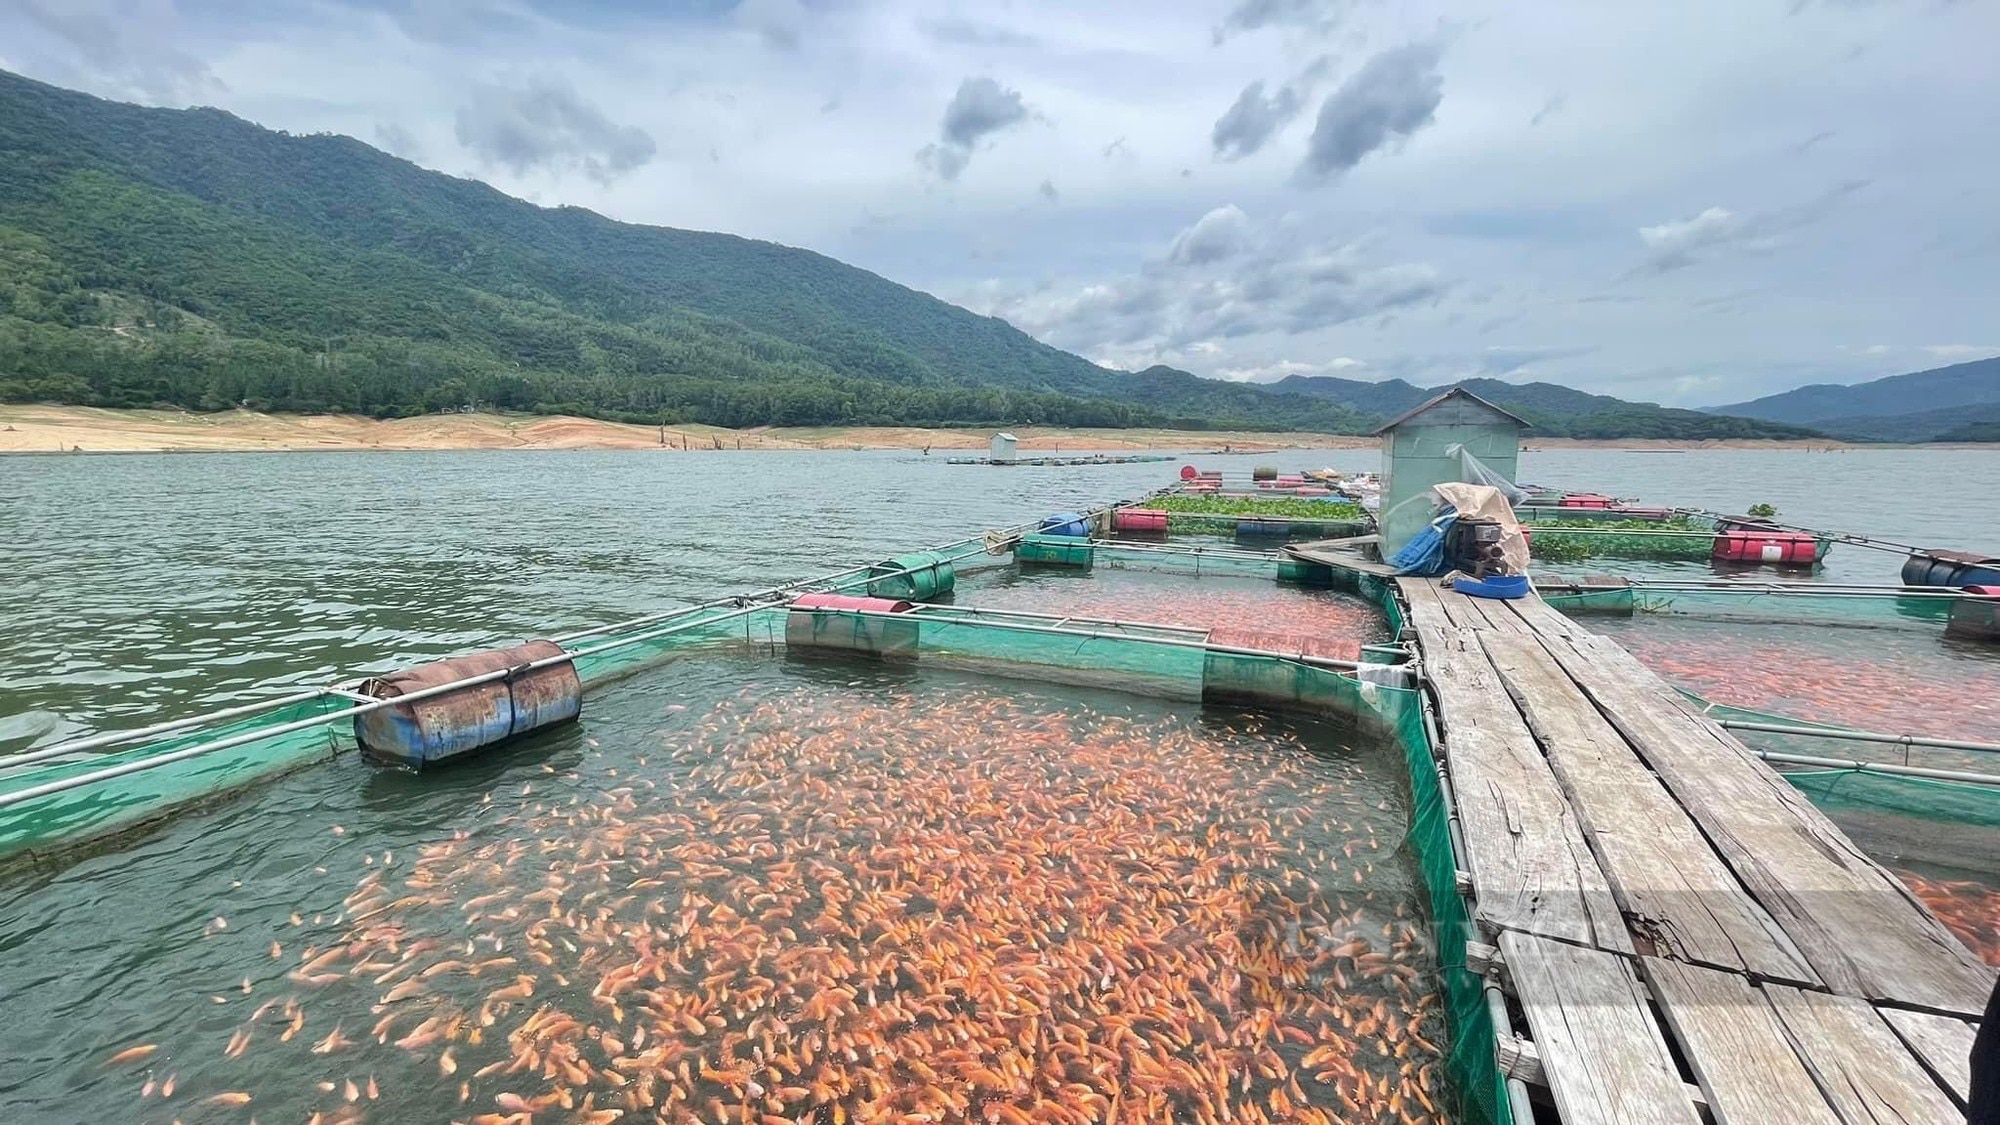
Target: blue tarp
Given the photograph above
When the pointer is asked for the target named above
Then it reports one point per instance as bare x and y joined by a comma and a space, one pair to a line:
1423, 555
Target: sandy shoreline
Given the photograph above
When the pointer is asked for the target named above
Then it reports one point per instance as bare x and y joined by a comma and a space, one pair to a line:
65, 429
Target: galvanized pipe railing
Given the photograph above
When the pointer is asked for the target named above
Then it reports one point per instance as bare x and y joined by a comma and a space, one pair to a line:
1101, 635
928, 609
1852, 594
1888, 768
1845, 735
1837, 536
156, 760
112, 738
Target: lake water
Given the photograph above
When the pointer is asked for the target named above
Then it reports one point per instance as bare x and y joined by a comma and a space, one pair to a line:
144, 587
138, 585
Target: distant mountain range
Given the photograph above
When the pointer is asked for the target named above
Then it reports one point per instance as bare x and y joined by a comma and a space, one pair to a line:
157, 257
1956, 403
1554, 410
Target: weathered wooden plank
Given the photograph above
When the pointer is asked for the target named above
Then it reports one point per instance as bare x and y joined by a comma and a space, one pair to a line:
1531, 869
1857, 925
1601, 1052
1541, 618
1492, 615
1942, 1043
1736, 1046
1457, 610
1680, 900
1865, 1071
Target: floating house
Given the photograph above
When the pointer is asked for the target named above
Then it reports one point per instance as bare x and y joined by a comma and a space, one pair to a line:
1427, 446
1002, 448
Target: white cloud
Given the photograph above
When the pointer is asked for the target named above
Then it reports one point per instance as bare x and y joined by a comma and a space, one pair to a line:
1221, 278
1552, 177
1959, 353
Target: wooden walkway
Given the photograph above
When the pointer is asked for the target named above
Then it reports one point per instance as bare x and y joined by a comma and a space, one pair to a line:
1684, 933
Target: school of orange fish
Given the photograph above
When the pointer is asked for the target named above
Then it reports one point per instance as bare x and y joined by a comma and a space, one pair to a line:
818, 904
1970, 910
1851, 682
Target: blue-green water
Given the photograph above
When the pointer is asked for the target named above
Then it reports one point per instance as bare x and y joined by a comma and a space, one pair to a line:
148, 586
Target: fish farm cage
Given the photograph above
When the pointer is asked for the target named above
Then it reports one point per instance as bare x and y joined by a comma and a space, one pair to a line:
917, 609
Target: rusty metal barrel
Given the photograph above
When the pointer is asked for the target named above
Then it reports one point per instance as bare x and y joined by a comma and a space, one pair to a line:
472, 717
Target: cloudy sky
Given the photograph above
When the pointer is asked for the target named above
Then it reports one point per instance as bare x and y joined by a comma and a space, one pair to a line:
1692, 202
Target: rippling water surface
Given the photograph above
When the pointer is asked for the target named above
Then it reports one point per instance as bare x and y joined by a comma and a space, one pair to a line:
141, 587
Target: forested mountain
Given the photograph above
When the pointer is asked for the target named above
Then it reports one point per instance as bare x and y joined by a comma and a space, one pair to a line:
190, 258
1554, 410
1929, 405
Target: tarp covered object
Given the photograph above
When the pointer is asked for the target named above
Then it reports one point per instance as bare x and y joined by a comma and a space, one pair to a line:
1480, 502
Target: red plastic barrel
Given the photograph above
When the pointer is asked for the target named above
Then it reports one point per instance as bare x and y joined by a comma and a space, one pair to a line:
1311, 491
1189, 472
1585, 500
1984, 591
849, 601
1660, 514
1788, 548
1139, 519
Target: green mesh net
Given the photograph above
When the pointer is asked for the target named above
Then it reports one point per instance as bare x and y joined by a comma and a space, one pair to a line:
614, 654
1926, 798
1911, 610
1199, 561
1151, 660
1472, 1059
124, 801
1933, 799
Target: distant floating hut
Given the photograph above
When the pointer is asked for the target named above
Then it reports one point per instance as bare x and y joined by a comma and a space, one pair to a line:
1001, 448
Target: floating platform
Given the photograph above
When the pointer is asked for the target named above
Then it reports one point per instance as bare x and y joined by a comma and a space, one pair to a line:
1684, 935
1067, 462
1635, 919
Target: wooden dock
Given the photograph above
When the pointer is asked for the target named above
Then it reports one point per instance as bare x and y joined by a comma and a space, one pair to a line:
1684, 934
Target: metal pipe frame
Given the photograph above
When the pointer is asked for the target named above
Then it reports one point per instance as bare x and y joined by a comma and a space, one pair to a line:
33, 791
112, 738
1845, 735
1838, 536
1878, 767
1099, 635
933, 609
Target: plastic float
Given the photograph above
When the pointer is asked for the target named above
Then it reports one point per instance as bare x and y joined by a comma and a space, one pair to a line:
540, 689
1784, 548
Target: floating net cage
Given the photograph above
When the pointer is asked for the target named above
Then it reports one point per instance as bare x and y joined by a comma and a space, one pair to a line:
43, 805
1199, 561
1842, 769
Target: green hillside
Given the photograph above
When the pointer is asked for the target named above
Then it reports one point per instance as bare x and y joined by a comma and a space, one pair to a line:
154, 257
187, 257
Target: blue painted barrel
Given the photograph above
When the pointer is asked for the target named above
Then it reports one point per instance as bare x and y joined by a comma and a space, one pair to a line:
1067, 523
1950, 569
472, 717
1252, 525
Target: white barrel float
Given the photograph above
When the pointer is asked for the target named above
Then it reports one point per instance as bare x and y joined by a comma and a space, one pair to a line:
472, 717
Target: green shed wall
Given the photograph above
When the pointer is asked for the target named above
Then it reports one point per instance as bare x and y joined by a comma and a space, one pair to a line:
1414, 459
